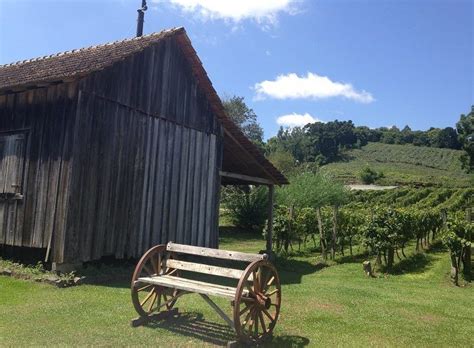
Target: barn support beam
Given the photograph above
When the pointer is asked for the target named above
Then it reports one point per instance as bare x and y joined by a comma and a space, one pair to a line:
246, 178
271, 189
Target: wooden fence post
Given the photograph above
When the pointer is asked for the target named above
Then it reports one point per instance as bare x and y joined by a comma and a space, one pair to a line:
467, 252
270, 218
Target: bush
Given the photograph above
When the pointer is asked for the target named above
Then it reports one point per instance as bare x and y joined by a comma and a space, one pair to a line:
247, 206
369, 176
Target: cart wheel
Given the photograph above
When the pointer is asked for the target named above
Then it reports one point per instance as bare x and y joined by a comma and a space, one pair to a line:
148, 298
257, 302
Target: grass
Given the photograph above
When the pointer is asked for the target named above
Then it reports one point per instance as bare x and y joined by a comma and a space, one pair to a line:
403, 165
336, 305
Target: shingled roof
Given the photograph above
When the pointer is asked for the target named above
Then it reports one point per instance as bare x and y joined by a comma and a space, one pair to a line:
71, 65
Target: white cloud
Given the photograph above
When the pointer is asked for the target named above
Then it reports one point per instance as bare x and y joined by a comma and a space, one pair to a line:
311, 86
264, 12
297, 120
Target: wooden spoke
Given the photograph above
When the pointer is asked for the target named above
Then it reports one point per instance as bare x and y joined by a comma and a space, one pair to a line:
158, 304
256, 285
270, 282
271, 293
268, 314
246, 308
148, 270
150, 306
172, 272
147, 297
260, 315
248, 299
251, 290
158, 266
245, 322
255, 322
144, 287
154, 265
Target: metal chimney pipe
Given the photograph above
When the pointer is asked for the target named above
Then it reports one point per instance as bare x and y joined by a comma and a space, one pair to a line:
141, 18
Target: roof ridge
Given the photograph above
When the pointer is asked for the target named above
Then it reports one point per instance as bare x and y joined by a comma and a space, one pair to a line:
159, 34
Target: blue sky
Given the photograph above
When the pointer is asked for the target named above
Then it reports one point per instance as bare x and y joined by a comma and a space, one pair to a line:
378, 62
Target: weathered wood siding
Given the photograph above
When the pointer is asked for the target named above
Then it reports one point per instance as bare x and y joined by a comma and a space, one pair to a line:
148, 160
46, 118
124, 159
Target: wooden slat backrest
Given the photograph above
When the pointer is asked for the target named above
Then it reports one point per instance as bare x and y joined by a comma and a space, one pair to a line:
214, 253
206, 269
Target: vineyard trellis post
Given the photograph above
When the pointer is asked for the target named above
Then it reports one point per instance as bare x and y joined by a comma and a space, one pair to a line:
468, 251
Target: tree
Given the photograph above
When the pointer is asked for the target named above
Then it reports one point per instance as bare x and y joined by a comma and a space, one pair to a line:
465, 128
327, 139
244, 117
448, 138
283, 160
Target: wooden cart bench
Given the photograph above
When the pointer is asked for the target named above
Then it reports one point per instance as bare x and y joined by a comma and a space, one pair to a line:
164, 273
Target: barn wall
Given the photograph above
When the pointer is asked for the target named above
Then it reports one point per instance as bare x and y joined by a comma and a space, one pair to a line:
47, 117
148, 160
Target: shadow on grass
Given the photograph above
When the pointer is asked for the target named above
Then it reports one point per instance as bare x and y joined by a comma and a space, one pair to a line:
194, 325
419, 261
357, 258
436, 247
416, 263
291, 270
232, 233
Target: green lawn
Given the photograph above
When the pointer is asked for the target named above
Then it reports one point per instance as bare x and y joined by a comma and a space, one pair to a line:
336, 305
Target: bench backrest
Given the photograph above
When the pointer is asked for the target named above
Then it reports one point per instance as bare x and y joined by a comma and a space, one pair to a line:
210, 253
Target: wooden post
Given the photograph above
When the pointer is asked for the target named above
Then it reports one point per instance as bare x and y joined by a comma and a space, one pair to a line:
270, 218
334, 232
467, 252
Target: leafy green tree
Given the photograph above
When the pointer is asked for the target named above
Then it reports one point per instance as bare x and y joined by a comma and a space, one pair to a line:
326, 139
283, 160
465, 128
244, 117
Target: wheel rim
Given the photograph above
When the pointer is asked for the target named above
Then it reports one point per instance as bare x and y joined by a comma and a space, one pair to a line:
257, 302
147, 298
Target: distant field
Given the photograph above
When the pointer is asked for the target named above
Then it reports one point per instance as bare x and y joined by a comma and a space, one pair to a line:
403, 165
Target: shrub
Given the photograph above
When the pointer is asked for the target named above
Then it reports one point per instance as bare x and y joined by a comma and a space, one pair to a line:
247, 206
457, 237
369, 176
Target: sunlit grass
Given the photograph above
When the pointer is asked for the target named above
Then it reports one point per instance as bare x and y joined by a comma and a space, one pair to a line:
322, 306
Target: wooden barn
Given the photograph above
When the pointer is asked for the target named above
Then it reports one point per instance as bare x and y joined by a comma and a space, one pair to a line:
110, 149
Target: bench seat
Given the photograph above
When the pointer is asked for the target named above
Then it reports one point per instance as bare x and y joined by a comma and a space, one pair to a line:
192, 286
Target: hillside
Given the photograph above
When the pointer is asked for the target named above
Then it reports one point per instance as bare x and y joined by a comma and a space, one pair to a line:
403, 165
